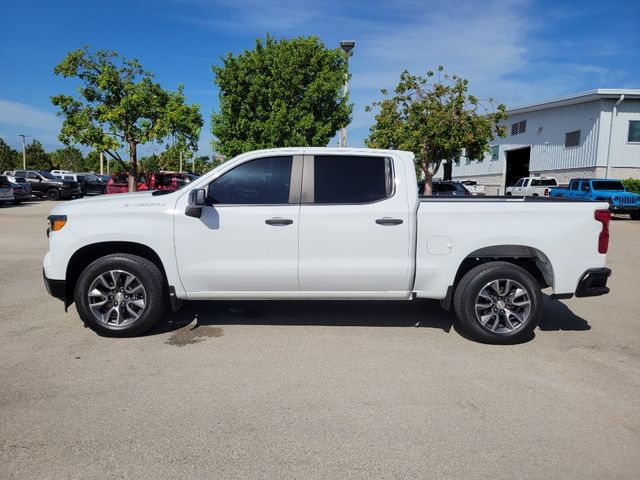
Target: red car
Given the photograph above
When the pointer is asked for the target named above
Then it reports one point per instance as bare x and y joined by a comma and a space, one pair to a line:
118, 183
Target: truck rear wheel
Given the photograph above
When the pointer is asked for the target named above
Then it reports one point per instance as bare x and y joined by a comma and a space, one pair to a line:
635, 216
498, 303
120, 295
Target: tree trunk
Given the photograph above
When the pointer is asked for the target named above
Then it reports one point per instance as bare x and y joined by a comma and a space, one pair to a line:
428, 181
133, 168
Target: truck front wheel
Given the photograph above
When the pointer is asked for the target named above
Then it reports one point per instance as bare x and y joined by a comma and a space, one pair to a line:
498, 303
53, 194
120, 295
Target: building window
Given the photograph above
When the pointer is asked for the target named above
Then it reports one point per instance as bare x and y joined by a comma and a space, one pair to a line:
634, 131
495, 151
518, 128
572, 139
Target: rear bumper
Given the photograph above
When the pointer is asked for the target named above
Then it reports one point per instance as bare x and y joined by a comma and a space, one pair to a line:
56, 288
593, 282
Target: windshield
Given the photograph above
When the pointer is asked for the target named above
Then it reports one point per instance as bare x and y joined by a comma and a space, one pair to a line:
47, 175
609, 185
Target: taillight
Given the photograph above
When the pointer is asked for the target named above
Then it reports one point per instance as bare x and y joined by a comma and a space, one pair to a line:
603, 216
546, 192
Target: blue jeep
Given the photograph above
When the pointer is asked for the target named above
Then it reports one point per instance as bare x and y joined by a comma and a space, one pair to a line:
605, 190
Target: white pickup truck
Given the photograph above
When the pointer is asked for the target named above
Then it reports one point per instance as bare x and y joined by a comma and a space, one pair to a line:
532, 187
318, 223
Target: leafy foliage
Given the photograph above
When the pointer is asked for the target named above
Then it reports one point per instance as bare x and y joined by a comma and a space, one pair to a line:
10, 159
436, 118
632, 184
283, 93
120, 106
68, 158
37, 158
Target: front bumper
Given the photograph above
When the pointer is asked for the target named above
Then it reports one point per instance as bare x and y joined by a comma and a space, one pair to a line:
22, 195
593, 282
56, 288
624, 208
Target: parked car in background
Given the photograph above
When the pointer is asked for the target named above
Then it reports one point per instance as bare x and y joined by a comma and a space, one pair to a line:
444, 188
473, 187
532, 187
603, 190
89, 183
45, 184
167, 181
6, 190
59, 172
21, 189
119, 183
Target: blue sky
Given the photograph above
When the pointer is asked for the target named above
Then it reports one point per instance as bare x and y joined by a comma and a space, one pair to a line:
515, 51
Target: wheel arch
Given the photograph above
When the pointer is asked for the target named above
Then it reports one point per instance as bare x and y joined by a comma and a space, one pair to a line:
528, 258
86, 255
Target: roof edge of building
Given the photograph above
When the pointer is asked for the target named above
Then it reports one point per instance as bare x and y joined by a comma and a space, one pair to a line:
581, 97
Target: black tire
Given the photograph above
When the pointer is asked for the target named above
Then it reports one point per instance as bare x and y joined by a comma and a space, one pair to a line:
635, 216
17, 202
535, 195
467, 294
508, 194
153, 283
53, 194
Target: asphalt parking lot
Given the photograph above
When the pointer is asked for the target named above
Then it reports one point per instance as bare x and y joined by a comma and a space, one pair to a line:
317, 389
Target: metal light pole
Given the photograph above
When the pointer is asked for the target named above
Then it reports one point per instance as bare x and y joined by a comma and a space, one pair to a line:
347, 46
24, 151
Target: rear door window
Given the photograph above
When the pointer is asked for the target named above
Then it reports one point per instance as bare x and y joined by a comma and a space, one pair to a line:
342, 179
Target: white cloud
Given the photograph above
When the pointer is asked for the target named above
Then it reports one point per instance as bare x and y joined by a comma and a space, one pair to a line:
23, 115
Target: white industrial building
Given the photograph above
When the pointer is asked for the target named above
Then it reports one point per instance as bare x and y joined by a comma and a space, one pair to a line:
590, 134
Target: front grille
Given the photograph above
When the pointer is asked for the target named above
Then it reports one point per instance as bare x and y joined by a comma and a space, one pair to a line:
627, 200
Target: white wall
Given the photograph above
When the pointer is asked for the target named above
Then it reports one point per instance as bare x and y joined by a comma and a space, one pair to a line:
622, 153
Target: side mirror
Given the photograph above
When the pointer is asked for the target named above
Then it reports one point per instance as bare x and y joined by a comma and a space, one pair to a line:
197, 200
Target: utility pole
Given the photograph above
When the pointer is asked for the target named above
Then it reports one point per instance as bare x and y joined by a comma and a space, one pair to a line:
347, 46
24, 151
101, 163
180, 161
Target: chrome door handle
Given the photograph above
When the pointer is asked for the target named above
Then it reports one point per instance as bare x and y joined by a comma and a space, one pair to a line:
278, 222
387, 221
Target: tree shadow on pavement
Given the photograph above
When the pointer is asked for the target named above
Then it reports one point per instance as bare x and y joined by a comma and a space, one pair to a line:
380, 313
557, 316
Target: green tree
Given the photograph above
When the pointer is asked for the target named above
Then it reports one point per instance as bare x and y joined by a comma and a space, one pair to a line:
10, 159
283, 93
437, 119
92, 162
120, 106
37, 158
150, 163
68, 158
